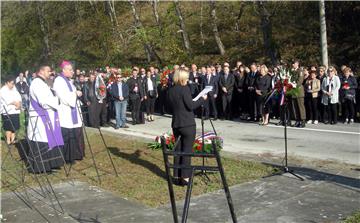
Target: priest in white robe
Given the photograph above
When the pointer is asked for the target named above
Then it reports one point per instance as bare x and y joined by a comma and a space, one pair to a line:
43, 130
69, 114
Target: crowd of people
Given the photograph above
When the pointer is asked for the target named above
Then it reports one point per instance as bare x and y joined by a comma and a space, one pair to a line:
72, 97
324, 94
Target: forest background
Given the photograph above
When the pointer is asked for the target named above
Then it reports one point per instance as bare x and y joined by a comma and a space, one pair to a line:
124, 33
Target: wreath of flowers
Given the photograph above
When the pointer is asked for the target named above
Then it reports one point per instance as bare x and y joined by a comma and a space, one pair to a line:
198, 146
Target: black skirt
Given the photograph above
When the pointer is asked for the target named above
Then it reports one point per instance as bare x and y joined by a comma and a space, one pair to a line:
11, 122
41, 159
73, 144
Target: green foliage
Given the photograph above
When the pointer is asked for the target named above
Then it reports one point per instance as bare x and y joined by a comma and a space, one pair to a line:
354, 218
83, 32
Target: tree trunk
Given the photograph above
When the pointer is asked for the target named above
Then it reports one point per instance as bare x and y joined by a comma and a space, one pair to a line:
184, 34
154, 4
266, 27
44, 29
149, 50
201, 24
110, 8
241, 11
215, 29
324, 47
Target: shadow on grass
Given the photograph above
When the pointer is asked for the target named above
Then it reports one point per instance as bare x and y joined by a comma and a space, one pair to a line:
316, 175
135, 158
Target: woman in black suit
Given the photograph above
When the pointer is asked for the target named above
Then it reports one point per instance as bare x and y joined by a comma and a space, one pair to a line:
150, 95
262, 88
183, 120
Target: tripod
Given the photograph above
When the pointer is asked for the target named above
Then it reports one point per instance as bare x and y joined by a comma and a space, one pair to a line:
285, 167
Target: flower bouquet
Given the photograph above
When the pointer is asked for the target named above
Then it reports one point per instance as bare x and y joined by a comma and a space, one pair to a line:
287, 83
197, 146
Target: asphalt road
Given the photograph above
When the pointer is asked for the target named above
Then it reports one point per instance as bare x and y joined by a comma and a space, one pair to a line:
326, 142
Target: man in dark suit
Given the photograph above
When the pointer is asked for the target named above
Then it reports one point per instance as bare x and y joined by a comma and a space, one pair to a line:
210, 80
194, 81
226, 83
136, 95
120, 93
250, 83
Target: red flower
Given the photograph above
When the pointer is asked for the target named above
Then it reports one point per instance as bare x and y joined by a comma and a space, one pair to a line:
167, 141
346, 86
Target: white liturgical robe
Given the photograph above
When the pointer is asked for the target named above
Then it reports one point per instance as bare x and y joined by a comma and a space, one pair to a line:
42, 94
68, 100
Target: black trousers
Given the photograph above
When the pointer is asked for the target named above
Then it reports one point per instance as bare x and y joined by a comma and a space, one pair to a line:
226, 105
187, 138
162, 100
97, 114
210, 103
330, 112
311, 108
135, 108
320, 107
349, 109
252, 104
150, 105
243, 102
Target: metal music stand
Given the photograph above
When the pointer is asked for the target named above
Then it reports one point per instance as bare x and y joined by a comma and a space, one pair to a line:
218, 167
90, 148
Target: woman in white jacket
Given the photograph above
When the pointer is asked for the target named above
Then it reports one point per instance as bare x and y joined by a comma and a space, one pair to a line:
330, 97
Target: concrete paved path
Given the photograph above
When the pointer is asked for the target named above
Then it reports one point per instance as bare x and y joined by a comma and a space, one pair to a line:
322, 197
339, 142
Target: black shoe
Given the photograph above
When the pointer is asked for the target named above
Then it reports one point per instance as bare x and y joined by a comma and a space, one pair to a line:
116, 127
326, 122
215, 119
134, 122
302, 124
280, 123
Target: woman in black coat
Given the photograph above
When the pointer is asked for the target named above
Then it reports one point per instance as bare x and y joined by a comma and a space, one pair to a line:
262, 88
183, 121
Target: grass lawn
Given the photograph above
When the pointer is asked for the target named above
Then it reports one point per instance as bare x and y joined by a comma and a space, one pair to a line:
141, 171
354, 218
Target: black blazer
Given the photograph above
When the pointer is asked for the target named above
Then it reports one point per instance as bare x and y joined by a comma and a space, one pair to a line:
228, 84
250, 79
154, 86
263, 83
213, 82
114, 91
131, 84
182, 106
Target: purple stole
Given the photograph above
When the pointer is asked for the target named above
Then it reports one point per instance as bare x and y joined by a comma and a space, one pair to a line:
54, 136
73, 109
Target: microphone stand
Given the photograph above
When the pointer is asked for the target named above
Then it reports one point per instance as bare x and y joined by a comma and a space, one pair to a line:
203, 172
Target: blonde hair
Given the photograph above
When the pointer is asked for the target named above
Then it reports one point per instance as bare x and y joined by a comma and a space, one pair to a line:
181, 77
264, 68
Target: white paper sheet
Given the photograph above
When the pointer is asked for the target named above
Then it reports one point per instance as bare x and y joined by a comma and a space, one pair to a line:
206, 90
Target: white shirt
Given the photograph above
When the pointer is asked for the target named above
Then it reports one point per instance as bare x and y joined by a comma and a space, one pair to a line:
41, 93
150, 84
7, 97
68, 100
